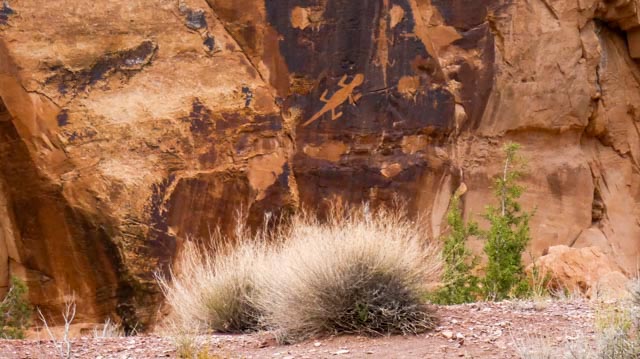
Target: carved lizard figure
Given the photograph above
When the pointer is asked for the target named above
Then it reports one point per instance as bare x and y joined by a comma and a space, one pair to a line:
343, 94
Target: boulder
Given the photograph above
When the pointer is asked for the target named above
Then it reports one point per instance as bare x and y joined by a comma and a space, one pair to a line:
587, 271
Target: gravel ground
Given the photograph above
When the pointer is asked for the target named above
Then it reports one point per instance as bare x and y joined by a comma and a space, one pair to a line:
478, 330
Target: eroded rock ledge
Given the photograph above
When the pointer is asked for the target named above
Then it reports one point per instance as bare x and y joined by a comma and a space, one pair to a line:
624, 14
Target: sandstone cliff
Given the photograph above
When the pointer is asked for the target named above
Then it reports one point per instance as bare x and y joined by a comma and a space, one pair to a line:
128, 125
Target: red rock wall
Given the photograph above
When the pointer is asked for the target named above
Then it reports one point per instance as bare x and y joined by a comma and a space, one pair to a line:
128, 126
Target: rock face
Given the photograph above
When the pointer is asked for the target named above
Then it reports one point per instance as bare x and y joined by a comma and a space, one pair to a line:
587, 271
129, 126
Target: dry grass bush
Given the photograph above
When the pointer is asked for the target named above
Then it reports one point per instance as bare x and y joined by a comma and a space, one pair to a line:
538, 346
616, 335
188, 341
617, 328
212, 286
109, 329
360, 272
535, 346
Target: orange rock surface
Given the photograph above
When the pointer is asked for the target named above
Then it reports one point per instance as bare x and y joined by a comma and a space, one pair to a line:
587, 271
127, 126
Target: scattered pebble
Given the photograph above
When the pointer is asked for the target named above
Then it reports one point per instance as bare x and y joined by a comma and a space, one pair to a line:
478, 330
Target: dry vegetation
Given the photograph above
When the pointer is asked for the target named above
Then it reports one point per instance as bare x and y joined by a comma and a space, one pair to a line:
361, 271
617, 333
213, 287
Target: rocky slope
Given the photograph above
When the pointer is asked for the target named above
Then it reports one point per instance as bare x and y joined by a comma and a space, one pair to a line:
127, 126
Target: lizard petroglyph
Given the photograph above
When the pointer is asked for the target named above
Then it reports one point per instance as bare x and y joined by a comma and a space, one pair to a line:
343, 94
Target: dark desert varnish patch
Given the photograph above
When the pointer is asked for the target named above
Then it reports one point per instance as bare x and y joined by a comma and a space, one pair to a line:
196, 19
5, 12
127, 62
209, 42
347, 41
200, 119
63, 118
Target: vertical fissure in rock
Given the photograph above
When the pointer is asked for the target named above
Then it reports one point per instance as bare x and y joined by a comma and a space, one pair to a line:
598, 209
5, 220
236, 40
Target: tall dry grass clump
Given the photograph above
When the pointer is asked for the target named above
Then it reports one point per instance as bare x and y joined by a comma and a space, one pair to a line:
360, 272
212, 287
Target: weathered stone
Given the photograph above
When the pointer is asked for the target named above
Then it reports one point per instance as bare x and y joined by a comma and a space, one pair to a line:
119, 134
633, 38
129, 127
592, 237
588, 271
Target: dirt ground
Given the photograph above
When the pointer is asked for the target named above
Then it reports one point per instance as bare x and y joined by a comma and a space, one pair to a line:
479, 330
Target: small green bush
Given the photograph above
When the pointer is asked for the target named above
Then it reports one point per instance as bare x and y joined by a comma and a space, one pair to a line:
508, 235
505, 241
16, 311
459, 284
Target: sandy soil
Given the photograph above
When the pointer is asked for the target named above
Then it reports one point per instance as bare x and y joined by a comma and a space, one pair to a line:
479, 330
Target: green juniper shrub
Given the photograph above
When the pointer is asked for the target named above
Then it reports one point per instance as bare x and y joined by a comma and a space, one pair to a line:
505, 242
508, 234
16, 311
459, 284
